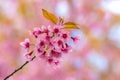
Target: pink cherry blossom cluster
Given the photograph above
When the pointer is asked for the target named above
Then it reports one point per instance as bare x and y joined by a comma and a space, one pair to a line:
51, 43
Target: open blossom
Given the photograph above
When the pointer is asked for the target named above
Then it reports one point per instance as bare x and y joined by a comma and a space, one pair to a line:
36, 32
26, 44
51, 43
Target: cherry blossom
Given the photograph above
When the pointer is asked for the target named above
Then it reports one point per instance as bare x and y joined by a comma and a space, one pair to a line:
26, 44
51, 43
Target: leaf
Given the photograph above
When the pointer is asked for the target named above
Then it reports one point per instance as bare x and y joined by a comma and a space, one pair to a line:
49, 16
70, 25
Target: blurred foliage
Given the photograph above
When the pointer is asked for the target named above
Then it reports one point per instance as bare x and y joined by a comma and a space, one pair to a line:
96, 57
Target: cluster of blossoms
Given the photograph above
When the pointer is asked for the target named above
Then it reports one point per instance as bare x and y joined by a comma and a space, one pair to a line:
51, 43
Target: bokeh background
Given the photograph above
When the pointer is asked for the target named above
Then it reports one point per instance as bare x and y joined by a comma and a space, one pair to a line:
95, 57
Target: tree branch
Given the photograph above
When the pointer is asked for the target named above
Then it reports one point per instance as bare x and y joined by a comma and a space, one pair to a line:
19, 68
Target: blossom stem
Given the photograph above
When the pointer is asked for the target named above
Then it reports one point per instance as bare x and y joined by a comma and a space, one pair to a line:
19, 68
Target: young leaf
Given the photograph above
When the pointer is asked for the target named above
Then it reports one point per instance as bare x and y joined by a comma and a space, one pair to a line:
70, 25
49, 16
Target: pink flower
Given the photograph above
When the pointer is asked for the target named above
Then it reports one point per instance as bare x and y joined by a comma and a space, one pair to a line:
56, 29
75, 39
36, 32
67, 48
55, 54
26, 44
65, 36
46, 30
60, 42
50, 60
29, 55
56, 62
41, 43
51, 43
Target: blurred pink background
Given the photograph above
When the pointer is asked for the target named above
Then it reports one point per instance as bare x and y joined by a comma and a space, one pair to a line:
95, 57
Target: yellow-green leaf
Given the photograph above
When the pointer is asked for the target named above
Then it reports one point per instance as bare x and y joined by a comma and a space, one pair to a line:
49, 16
70, 25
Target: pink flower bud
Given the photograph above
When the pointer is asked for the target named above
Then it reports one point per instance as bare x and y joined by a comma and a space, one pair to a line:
75, 39
29, 55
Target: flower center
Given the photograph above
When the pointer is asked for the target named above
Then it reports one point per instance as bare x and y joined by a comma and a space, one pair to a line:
56, 30
64, 36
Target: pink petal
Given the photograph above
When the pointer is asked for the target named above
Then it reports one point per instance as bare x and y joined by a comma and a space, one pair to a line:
22, 44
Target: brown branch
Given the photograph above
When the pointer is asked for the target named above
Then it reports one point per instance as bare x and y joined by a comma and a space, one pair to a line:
19, 68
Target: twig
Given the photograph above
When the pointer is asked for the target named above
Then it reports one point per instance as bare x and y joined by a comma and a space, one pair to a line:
19, 68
